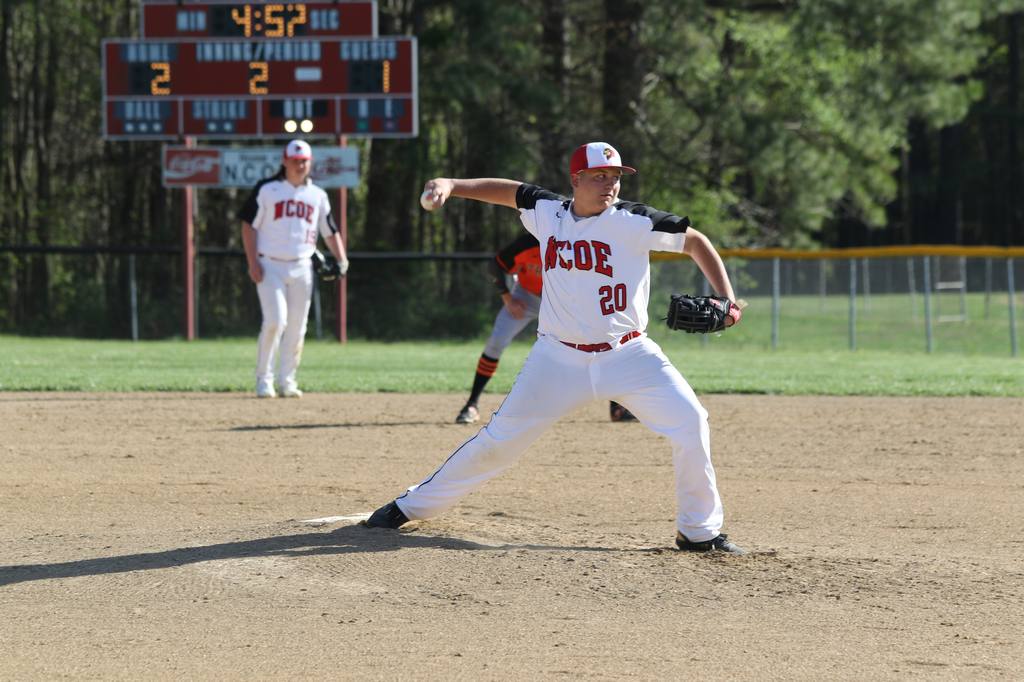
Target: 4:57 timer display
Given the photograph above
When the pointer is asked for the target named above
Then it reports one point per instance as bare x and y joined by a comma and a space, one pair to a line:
169, 19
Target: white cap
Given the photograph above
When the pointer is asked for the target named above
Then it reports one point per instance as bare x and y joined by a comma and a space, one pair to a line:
298, 149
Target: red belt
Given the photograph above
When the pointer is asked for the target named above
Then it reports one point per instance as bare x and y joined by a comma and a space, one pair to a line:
600, 347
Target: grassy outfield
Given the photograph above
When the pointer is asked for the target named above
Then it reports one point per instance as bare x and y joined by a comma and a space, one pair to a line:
722, 364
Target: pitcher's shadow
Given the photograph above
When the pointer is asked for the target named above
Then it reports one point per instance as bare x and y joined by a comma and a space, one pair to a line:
338, 425
345, 540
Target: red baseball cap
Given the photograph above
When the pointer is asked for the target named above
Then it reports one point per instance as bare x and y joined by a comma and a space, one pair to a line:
597, 155
298, 149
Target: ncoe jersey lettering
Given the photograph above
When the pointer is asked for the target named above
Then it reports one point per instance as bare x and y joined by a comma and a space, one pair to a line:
287, 218
593, 292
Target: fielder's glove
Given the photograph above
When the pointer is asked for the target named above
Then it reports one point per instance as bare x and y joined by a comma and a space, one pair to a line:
327, 268
700, 314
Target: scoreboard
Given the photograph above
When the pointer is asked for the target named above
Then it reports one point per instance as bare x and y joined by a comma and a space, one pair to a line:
160, 89
193, 19
246, 69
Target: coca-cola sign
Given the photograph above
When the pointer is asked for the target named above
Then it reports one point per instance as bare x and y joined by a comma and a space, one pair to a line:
191, 166
245, 166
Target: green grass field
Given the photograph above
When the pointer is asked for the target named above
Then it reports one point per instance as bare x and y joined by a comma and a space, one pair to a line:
730, 363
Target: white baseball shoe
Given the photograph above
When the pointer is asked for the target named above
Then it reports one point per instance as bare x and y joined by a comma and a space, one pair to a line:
468, 415
265, 390
290, 392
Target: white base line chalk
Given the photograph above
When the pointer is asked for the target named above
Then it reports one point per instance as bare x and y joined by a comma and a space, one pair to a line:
335, 519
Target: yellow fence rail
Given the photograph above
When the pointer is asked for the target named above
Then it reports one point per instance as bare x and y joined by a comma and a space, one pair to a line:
865, 252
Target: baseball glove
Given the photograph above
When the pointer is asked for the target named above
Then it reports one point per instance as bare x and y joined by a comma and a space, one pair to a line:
327, 268
700, 314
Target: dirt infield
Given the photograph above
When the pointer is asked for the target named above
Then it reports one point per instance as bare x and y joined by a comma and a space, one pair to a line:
164, 536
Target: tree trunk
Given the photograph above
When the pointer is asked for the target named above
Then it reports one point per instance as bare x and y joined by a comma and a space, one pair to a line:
949, 185
921, 200
6, 17
555, 148
622, 77
1015, 212
392, 179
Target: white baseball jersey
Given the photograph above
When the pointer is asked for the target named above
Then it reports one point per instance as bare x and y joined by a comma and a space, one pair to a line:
287, 218
597, 270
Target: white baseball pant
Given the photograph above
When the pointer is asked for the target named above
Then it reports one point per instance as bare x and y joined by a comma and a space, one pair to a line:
285, 294
556, 380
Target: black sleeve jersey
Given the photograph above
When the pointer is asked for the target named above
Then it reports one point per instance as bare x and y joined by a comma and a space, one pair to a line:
251, 206
528, 195
662, 221
332, 226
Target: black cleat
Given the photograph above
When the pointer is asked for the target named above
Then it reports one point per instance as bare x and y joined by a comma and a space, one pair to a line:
388, 516
618, 413
720, 543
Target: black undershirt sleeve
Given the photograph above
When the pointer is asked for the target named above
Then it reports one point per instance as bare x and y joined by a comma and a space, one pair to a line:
528, 195
331, 225
662, 221
251, 207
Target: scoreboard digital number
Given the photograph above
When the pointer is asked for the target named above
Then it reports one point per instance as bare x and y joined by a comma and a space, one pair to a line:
379, 66
224, 88
174, 19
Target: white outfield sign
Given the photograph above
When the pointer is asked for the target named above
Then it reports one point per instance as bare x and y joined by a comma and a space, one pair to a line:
245, 166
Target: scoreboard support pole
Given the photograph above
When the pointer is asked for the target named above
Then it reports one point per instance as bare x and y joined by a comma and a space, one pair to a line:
342, 319
188, 250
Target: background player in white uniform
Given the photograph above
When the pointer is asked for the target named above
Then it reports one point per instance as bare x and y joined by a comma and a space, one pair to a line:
591, 342
520, 305
280, 223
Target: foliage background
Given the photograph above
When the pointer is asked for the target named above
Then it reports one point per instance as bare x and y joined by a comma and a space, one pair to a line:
768, 122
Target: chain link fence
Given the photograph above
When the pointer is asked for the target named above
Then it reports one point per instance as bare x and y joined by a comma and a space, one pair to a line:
949, 300
931, 302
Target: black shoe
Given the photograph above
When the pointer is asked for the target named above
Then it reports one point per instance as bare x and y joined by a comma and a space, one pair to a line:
388, 516
719, 543
619, 413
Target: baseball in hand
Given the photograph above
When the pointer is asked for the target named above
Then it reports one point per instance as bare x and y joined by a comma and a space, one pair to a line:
427, 200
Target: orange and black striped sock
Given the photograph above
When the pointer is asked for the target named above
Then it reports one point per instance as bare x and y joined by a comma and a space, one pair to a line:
485, 369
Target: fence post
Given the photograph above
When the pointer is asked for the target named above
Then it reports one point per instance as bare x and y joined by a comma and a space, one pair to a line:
963, 289
988, 286
1013, 306
853, 304
775, 303
188, 253
821, 285
912, 286
195, 297
133, 296
930, 343
318, 320
866, 287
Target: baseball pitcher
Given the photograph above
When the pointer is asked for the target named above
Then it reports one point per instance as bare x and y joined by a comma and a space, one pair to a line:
591, 340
